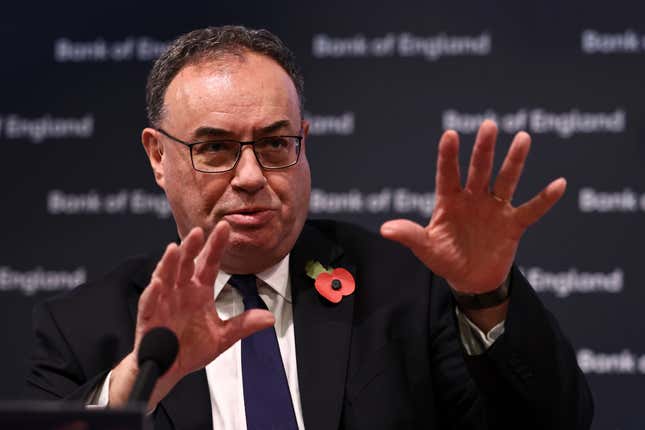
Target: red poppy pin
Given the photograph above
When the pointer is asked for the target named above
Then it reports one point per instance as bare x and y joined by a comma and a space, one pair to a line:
332, 284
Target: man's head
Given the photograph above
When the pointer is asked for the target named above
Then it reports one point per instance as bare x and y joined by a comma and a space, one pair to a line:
230, 83
210, 44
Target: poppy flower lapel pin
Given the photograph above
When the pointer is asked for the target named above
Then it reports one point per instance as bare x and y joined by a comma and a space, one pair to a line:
332, 284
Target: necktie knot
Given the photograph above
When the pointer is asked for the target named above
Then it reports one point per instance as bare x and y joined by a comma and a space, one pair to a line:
248, 288
245, 284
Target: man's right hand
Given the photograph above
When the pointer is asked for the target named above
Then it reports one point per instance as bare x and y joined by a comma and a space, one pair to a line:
181, 296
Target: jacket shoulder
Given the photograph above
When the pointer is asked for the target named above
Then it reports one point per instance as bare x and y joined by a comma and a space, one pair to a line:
94, 323
131, 273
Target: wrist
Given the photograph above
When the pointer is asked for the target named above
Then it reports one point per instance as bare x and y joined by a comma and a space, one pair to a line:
488, 299
487, 318
122, 380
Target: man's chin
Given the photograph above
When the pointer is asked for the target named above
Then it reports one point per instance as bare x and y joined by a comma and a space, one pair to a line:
252, 241
244, 255
247, 238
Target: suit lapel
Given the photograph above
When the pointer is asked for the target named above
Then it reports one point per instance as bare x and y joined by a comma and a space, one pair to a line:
322, 332
188, 403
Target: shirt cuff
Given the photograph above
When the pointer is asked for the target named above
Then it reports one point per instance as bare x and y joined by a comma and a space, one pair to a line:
474, 340
100, 397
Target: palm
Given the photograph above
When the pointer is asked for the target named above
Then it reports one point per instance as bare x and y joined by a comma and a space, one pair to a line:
181, 297
458, 239
198, 328
472, 237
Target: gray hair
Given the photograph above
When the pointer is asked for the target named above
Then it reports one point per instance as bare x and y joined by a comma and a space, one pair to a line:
212, 43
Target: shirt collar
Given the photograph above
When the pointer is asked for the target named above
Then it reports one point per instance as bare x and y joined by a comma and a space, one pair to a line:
276, 277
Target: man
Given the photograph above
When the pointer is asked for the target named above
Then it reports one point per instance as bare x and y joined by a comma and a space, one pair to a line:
227, 144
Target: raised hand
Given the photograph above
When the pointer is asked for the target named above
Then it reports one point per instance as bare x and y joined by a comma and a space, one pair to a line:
474, 232
180, 296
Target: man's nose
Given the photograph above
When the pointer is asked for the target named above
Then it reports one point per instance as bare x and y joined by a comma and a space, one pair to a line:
249, 175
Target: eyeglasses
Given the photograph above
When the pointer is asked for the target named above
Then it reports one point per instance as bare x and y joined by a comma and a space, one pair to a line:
222, 155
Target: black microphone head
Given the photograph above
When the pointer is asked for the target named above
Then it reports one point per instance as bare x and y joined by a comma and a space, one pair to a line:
159, 345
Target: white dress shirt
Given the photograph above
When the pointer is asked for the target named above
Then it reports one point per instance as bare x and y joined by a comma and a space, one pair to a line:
224, 374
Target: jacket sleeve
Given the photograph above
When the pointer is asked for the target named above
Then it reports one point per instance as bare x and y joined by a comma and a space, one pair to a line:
529, 378
54, 372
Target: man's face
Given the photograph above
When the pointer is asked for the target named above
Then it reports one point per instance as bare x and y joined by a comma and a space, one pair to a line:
242, 99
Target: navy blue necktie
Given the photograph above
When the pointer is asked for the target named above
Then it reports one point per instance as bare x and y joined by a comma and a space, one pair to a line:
267, 399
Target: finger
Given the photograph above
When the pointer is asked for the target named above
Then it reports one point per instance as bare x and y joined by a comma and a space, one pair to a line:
148, 309
407, 233
148, 300
511, 170
166, 270
539, 205
447, 178
244, 325
166, 310
190, 248
208, 259
481, 160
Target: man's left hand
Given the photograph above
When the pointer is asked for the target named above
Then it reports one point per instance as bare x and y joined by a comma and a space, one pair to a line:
474, 232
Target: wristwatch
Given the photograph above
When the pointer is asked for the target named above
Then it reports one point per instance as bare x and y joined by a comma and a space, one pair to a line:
484, 300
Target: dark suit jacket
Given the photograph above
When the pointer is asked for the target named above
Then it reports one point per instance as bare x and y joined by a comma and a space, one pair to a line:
387, 357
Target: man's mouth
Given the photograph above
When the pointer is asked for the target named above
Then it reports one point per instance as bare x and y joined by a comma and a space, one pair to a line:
249, 217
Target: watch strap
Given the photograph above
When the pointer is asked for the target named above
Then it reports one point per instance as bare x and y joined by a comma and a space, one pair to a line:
485, 300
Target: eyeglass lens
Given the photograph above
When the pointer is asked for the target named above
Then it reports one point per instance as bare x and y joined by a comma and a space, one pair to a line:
221, 155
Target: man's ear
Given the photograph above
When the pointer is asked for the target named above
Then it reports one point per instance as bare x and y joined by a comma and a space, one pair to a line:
305, 132
154, 150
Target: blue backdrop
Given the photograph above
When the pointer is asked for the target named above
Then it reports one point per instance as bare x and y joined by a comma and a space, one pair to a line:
382, 83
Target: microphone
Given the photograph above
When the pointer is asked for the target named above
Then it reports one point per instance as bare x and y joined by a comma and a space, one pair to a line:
157, 351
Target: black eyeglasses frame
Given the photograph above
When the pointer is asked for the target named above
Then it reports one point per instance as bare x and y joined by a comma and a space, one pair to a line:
239, 153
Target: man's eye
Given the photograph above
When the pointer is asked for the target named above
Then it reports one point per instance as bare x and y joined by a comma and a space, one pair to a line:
274, 143
212, 147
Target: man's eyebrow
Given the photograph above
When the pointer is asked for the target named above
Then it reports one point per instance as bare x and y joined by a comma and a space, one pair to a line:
209, 133
276, 126
206, 132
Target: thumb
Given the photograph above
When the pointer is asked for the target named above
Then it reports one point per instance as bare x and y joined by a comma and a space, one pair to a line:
244, 325
407, 233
